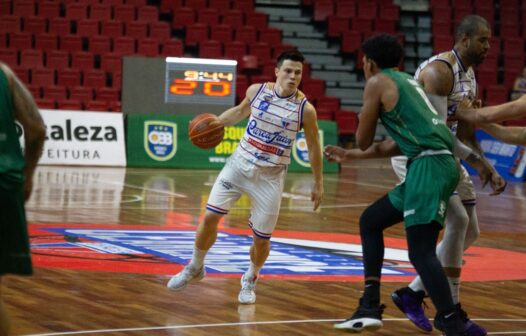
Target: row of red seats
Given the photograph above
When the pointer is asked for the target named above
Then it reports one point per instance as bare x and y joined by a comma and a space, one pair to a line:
474, 3
170, 6
336, 26
72, 104
86, 27
99, 45
248, 34
350, 9
185, 16
69, 77
82, 10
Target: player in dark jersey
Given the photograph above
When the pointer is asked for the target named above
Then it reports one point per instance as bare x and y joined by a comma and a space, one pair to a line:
16, 176
421, 200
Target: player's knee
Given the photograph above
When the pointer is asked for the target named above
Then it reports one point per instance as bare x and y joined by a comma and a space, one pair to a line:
211, 218
369, 221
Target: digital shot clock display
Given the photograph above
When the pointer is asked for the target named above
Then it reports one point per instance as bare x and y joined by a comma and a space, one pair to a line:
200, 81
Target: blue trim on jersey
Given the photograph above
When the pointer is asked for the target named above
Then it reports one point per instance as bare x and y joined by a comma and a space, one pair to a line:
216, 209
259, 233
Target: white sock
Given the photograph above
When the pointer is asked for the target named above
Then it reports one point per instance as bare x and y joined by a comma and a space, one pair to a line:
253, 270
417, 285
454, 285
198, 259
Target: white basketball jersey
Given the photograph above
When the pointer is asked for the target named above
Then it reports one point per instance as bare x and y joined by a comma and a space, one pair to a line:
272, 127
465, 84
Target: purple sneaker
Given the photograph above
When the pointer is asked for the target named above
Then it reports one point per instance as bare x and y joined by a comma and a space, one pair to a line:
470, 327
411, 304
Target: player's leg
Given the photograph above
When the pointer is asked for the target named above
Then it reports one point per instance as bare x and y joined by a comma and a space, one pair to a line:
223, 195
374, 220
265, 190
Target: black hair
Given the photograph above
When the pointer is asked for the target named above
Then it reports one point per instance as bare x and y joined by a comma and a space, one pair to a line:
470, 25
290, 54
384, 50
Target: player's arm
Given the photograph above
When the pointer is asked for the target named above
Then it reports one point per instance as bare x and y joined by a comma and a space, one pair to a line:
490, 114
386, 148
241, 111
437, 79
512, 135
310, 127
26, 112
372, 104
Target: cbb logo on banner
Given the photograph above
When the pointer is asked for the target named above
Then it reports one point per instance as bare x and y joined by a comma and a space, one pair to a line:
300, 151
160, 139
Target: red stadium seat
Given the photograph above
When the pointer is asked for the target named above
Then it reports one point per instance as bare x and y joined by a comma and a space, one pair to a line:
442, 43
183, 17
100, 11
42, 76
76, 11
234, 17
247, 34
168, 6
351, 41
49, 9
107, 94
71, 43
68, 77
70, 104
137, 29
148, 47
221, 33
196, 4
111, 62
5, 7
210, 49
160, 31
332, 103
10, 24
56, 59
112, 28
221, 5
87, 27
124, 45
82, 60
262, 50
246, 6
196, 33
94, 78
235, 50
208, 16
46, 103
55, 92
96, 105
322, 10
22, 73
368, 10
31, 58
337, 25
324, 113
148, 14
173, 47
257, 19
347, 122
35, 24
345, 9
313, 88
81, 93
363, 25
24, 8
46, 42
21, 41
270, 35
99, 44
496, 94
385, 26
125, 13
60, 26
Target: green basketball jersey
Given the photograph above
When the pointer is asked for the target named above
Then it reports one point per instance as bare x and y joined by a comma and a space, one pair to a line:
414, 123
12, 161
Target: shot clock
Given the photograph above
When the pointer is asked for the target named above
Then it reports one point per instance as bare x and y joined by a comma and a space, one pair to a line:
200, 81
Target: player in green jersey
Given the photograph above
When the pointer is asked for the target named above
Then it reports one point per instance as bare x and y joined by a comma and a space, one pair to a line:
16, 176
421, 201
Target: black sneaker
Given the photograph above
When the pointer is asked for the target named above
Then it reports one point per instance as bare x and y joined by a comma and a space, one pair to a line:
364, 318
450, 324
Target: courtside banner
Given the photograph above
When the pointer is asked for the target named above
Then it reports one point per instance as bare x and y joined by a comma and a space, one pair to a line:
83, 138
509, 160
162, 141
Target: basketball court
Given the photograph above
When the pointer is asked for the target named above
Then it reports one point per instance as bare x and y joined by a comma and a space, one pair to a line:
106, 240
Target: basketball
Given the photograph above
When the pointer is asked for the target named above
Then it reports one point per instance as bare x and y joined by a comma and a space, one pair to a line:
206, 130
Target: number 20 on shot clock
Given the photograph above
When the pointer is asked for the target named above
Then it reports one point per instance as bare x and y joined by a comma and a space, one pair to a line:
200, 81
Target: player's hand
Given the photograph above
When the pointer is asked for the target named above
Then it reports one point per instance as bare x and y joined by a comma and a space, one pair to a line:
477, 103
316, 195
334, 153
466, 110
497, 183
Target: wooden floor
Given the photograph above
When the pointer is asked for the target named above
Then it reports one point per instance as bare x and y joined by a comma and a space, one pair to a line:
66, 301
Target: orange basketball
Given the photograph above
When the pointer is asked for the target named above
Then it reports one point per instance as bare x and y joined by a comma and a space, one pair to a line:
206, 130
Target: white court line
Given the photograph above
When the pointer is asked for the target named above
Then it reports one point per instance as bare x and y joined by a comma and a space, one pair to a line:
213, 325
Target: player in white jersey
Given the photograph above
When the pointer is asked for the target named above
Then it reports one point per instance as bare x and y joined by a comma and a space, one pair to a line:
449, 76
277, 111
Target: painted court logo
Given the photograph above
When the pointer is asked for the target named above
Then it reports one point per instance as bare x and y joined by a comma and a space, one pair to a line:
160, 139
294, 255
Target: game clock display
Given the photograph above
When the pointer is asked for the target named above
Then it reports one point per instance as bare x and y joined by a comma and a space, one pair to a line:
200, 81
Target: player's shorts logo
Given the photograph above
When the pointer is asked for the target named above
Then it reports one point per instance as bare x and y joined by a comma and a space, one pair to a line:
300, 151
160, 139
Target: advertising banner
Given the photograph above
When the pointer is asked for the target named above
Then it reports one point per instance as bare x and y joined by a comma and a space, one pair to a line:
509, 160
162, 141
83, 138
